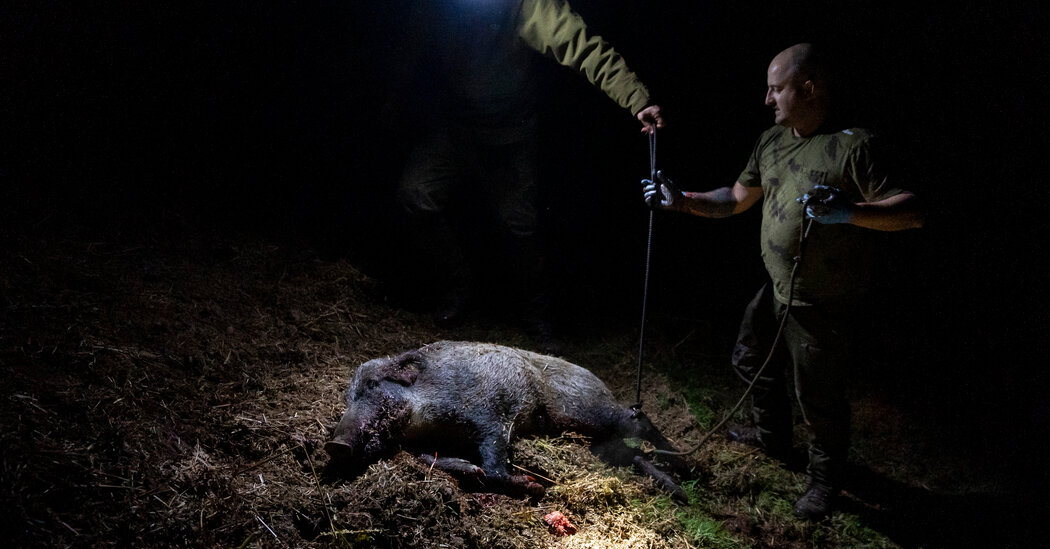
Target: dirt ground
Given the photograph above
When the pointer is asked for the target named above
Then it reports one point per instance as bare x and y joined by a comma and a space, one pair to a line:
175, 388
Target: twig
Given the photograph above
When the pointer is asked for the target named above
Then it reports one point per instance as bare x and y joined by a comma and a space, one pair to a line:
115, 487
262, 461
257, 517
687, 336
38, 223
333, 309
335, 533
71, 529
537, 475
37, 406
320, 489
432, 464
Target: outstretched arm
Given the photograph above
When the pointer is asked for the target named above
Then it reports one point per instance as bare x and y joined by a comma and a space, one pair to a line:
552, 28
896, 213
722, 202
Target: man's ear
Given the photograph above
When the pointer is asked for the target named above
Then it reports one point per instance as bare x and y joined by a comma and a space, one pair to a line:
810, 87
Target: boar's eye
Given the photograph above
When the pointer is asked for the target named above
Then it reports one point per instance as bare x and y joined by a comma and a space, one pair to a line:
372, 383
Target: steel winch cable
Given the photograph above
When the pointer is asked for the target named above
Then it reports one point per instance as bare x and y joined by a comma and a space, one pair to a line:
806, 225
645, 285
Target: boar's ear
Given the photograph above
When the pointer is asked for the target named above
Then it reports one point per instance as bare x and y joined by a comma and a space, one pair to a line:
404, 369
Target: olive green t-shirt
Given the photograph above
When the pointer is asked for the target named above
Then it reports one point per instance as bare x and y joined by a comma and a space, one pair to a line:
838, 257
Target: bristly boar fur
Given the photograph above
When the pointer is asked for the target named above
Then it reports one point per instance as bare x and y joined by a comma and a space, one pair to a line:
473, 398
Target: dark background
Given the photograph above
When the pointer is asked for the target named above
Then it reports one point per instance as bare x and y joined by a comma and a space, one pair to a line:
262, 119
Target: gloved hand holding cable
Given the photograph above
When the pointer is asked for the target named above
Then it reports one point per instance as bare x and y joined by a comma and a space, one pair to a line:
827, 205
662, 193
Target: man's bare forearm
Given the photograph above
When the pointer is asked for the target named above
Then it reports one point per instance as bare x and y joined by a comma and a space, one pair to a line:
896, 213
717, 203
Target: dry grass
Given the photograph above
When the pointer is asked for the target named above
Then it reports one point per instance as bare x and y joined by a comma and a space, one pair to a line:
177, 393
163, 390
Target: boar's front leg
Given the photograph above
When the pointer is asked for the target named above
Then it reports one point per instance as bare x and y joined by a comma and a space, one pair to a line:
452, 465
495, 443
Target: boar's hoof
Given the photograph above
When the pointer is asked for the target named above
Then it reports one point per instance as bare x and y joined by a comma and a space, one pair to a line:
527, 485
662, 479
338, 450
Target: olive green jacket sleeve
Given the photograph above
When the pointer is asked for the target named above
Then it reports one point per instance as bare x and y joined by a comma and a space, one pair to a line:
553, 29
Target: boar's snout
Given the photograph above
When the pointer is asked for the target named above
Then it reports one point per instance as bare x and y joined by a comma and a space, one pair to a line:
338, 450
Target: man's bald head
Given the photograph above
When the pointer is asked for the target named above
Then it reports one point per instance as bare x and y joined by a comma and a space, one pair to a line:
797, 89
803, 62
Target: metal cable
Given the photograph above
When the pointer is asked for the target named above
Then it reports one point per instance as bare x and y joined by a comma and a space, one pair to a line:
807, 224
645, 286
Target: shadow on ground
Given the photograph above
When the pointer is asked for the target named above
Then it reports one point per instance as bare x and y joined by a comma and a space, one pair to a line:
917, 517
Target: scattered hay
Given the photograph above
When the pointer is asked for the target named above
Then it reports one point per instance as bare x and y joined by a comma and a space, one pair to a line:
177, 392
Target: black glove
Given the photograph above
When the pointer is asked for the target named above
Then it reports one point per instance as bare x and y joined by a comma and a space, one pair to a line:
826, 205
662, 193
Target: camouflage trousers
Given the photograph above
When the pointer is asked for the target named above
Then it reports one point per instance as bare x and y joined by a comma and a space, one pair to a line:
814, 350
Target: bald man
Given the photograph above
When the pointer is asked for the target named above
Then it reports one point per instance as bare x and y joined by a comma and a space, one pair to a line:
806, 167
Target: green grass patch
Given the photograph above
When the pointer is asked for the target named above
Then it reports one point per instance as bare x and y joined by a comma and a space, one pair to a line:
695, 522
701, 403
707, 531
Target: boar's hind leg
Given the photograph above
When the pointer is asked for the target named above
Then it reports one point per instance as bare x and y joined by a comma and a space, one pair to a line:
662, 479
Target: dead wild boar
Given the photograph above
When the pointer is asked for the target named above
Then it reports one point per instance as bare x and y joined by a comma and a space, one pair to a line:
473, 397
